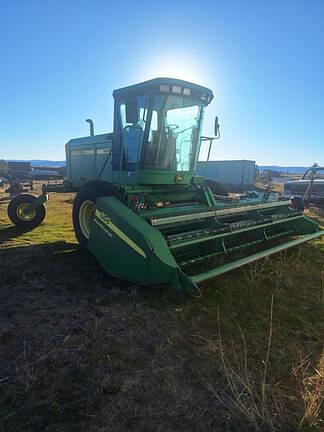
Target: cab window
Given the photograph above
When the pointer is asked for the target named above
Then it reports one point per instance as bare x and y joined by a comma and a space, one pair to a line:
133, 117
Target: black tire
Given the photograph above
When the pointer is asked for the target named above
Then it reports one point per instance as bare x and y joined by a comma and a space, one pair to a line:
216, 188
297, 203
88, 194
26, 221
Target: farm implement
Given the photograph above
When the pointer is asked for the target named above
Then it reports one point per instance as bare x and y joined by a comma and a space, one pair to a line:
141, 210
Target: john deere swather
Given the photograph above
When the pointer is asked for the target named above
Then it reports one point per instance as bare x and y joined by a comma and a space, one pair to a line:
142, 211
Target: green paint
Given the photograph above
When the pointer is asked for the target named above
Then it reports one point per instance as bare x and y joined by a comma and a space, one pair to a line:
254, 257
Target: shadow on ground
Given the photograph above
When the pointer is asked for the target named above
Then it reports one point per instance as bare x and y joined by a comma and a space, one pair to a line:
10, 233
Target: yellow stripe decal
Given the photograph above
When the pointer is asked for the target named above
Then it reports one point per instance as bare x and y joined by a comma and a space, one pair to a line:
106, 221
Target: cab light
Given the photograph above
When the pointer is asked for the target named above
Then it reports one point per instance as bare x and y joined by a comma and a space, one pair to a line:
176, 89
164, 88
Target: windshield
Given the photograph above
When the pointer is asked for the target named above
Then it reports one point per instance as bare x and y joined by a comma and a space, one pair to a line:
173, 136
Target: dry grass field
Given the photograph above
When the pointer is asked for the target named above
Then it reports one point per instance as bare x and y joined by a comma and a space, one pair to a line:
81, 351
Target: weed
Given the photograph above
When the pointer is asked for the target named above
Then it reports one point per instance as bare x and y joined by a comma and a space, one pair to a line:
311, 390
244, 394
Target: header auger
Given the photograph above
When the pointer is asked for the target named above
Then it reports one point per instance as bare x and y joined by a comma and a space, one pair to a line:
141, 210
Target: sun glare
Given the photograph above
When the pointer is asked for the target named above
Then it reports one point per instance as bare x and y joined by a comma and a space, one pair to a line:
175, 67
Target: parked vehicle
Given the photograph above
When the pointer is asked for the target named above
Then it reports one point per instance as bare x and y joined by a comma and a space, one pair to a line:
233, 175
310, 187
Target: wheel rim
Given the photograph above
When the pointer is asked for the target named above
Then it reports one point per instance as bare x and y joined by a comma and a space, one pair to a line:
86, 212
23, 215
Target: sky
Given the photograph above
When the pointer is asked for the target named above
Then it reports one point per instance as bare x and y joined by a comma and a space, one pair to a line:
264, 60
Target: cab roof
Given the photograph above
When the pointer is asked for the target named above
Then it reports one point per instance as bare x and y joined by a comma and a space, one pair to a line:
153, 86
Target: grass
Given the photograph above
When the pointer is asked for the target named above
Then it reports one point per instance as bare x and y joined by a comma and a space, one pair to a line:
81, 351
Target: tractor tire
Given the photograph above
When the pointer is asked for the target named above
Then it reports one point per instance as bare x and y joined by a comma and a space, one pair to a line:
84, 206
17, 216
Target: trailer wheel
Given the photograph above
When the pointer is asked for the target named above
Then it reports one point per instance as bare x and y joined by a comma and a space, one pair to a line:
297, 203
22, 219
84, 206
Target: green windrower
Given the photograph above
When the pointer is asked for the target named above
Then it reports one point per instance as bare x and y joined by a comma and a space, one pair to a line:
141, 210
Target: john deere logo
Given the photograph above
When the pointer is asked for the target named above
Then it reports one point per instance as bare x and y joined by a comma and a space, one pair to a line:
103, 217
178, 178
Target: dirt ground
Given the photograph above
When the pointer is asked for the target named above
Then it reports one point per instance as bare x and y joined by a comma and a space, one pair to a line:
81, 351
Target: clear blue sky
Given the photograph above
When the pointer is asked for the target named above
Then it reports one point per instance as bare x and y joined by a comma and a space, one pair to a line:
264, 60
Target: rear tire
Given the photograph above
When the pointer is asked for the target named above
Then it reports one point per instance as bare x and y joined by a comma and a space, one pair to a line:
84, 206
25, 220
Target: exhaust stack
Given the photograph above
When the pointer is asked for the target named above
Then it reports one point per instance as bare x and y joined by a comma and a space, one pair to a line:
91, 126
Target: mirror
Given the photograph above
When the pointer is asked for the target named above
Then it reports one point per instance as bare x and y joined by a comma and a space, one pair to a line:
131, 111
216, 128
132, 140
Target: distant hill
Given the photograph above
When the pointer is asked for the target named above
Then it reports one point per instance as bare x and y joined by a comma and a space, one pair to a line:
41, 162
290, 170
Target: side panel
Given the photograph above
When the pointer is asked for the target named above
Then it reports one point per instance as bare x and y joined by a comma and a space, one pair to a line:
128, 247
83, 163
87, 159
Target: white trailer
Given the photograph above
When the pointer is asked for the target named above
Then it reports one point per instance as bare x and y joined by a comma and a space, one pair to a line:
235, 174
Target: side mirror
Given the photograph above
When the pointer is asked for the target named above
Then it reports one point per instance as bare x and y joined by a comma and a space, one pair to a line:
131, 111
216, 128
